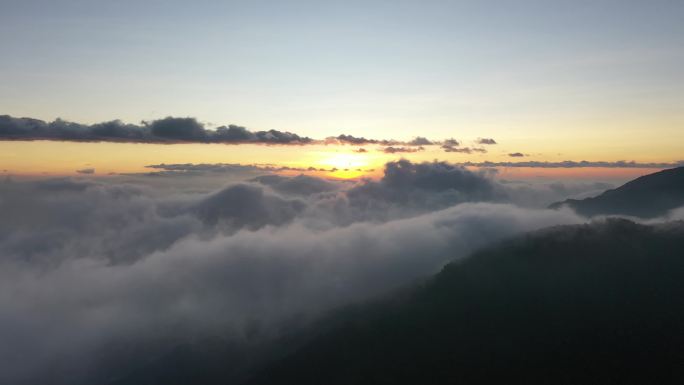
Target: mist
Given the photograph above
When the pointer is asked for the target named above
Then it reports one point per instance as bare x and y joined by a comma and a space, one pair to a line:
90, 263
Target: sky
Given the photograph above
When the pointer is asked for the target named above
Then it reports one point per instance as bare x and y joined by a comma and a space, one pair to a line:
552, 80
180, 172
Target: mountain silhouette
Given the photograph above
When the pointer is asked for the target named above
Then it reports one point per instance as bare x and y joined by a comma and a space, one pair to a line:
649, 196
601, 303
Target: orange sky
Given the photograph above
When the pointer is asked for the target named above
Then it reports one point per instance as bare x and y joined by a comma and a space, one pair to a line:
64, 158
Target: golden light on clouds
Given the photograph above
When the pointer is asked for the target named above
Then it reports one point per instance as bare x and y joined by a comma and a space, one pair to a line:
346, 165
54, 158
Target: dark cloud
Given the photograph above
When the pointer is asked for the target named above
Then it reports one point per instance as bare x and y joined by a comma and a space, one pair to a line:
179, 129
190, 169
394, 150
204, 167
435, 176
516, 155
451, 143
486, 141
463, 150
350, 139
171, 130
245, 206
167, 130
408, 188
360, 150
298, 185
86, 171
116, 130
420, 141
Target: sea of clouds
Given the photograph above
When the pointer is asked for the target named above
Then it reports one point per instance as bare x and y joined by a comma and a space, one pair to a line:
88, 263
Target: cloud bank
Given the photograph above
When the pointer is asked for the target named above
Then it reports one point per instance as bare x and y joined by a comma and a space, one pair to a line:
86, 265
578, 303
172, 130
167, 130
128, 268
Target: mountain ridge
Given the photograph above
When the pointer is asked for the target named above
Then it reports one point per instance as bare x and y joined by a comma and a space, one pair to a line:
648, 196
595, 303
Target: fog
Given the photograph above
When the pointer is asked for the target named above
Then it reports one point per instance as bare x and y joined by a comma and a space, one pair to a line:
88, 262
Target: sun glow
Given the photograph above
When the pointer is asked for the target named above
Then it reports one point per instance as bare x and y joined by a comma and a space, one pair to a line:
346, 165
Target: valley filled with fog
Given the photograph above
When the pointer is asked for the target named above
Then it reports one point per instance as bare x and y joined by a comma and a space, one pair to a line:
100, 274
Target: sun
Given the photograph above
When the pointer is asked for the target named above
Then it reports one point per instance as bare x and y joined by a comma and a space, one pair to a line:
346, 165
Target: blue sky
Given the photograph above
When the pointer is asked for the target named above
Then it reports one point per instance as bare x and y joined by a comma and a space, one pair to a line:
495, 68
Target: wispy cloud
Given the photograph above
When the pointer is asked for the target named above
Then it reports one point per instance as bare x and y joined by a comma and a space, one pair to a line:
463, 150
394, 150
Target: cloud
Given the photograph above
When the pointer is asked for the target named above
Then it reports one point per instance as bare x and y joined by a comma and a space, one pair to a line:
226, 285
89, 266
463, 150
551, 304
394, 150
451, 143
407, 189
204, 167
524, 193
360, 150
57, 219
179, 129
354, 140
542, 194
86, 171
167, 130
420, 141
298, 185
170, 130
574, 164
190, 169
243, 206
486, 141
516, 155
350, 139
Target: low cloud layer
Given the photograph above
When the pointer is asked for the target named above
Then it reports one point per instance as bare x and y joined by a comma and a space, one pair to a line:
577, 303
87, 265
185, 169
